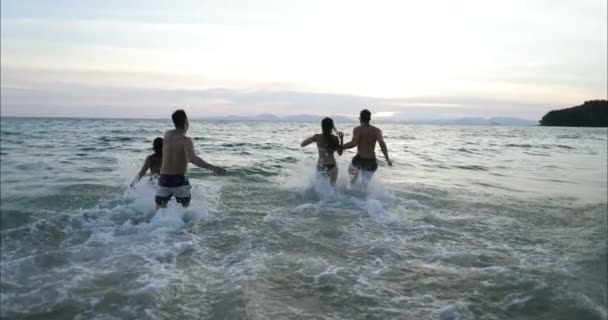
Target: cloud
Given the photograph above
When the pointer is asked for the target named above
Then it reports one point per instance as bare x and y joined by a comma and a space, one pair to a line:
472, 56
104, 94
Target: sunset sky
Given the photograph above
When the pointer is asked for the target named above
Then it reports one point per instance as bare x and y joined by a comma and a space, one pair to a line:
406, 59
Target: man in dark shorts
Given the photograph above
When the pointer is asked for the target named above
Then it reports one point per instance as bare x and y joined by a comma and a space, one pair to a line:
364, 138
178, 150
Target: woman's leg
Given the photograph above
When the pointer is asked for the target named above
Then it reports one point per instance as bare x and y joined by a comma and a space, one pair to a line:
333, 176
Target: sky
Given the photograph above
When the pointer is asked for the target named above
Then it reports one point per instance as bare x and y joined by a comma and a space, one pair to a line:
401, 59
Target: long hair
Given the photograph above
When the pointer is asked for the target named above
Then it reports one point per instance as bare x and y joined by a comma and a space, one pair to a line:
157, 145
327, 125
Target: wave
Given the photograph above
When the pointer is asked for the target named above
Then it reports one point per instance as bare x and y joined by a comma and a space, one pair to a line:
10, 133
88, 247
472, 167
116, 139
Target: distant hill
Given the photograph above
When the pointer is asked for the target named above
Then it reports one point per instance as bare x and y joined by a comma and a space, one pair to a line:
475, 121
267, 117
313, 118
506, 121
471, 121
592, 113
497, 121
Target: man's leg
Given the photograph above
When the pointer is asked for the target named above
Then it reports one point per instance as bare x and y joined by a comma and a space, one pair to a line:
185, 202
161, 202
183, 195
353, 172
366, 177
369, 167
162, 197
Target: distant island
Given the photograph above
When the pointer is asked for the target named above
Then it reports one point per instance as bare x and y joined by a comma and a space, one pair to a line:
593, 113
478, 121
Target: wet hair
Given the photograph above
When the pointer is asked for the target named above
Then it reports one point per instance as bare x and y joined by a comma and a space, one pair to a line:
179, 118
365, 115
157, 145
327, 125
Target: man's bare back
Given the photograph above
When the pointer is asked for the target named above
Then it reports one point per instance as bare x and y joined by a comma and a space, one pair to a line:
175, 159
366, 143
364, 138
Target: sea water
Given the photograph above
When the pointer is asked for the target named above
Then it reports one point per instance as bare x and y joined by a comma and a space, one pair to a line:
471, 222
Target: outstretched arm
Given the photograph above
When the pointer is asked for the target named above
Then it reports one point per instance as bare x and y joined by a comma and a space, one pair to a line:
353, 143
197, 161
383, 147
143, 170
309, 141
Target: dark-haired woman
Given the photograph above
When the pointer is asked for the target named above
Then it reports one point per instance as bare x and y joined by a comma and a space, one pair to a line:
327, 144
153, 162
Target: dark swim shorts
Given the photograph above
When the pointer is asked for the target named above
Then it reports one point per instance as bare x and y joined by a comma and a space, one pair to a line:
365, 164
173, 185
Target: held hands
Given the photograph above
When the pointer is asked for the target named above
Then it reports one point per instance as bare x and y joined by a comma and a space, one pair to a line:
389, 162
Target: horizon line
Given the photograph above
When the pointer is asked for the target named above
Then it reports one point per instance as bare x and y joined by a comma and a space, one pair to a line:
279, 119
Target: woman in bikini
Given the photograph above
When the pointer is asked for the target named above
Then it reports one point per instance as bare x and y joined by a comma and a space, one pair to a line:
153, 162
327, 144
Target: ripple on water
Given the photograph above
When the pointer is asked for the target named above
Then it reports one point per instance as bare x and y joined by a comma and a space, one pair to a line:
270, 241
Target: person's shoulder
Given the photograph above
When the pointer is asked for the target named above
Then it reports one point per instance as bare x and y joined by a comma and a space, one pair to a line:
376, 129
186, 139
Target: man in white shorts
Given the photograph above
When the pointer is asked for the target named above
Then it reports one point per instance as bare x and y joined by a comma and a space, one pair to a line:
178, 150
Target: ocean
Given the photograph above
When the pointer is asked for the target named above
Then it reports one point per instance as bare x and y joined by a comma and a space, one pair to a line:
471, 222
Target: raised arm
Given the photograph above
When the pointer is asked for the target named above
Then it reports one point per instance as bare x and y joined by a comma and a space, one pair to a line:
197, 161
353, 143
383, 147
309, 141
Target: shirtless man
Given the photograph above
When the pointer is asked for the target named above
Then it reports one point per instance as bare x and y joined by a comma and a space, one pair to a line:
364, 138
178, 150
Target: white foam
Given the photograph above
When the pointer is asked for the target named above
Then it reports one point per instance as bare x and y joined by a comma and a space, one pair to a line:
374, 199
456, 311
111, 246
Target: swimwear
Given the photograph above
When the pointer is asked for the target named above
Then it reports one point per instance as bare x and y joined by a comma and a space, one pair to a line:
325, 169
365, 164
170, 185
